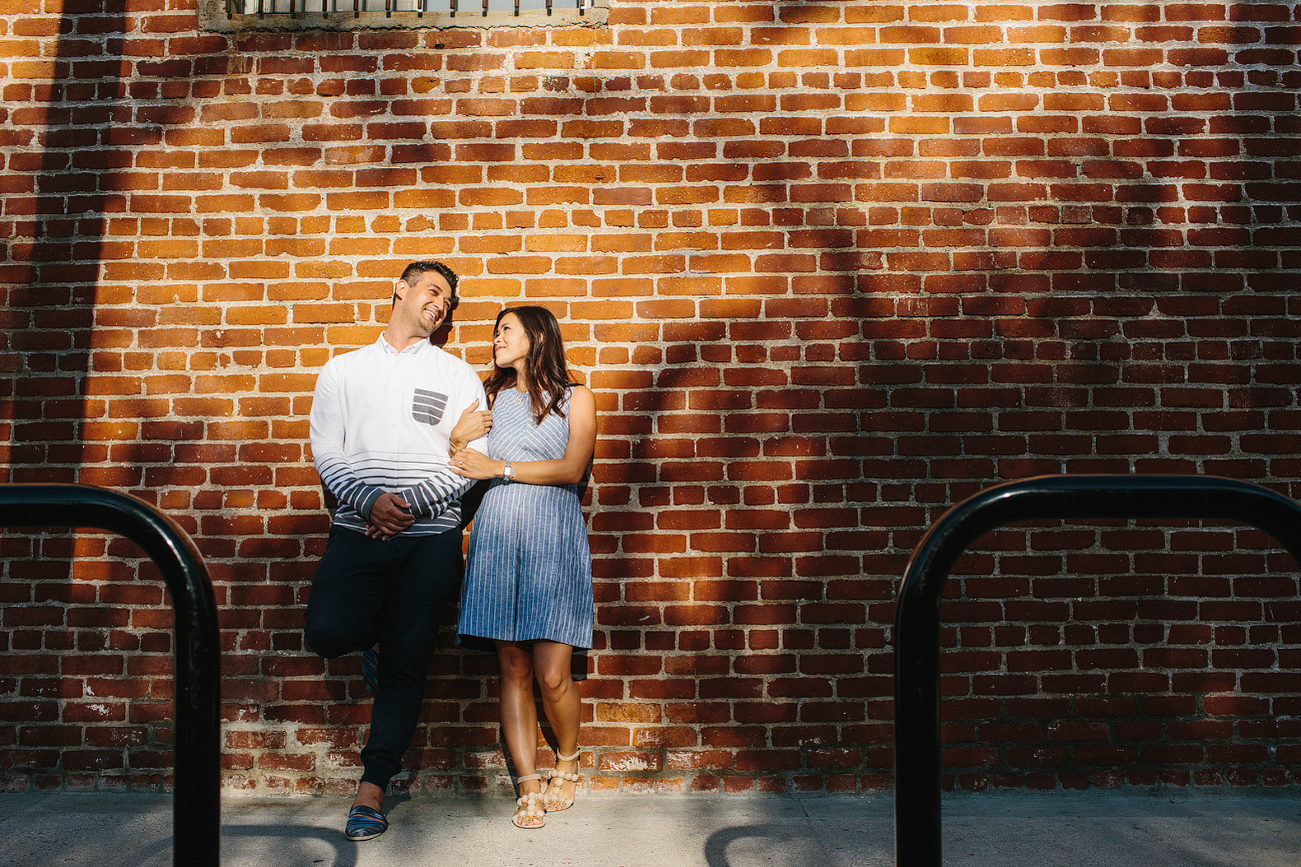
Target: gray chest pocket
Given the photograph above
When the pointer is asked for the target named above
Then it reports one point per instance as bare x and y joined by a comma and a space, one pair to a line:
427, 406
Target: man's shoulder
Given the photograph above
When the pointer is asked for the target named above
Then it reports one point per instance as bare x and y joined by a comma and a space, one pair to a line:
437, 355
350, 358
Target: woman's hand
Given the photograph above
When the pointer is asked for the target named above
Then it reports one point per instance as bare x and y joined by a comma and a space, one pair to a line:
471, 464
470, 426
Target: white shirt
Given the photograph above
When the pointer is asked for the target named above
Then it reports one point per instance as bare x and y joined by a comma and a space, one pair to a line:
381, 421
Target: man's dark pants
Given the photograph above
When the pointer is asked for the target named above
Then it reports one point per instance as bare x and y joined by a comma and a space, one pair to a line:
392, 592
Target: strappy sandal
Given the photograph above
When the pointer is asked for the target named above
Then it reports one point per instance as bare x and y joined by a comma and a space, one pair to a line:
364, 823
529, 806
556, 799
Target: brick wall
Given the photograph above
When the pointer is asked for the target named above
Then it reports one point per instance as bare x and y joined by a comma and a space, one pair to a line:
829, 268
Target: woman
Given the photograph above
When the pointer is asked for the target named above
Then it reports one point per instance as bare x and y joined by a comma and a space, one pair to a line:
528, 575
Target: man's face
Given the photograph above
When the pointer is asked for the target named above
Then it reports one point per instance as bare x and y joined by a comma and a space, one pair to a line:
425, 303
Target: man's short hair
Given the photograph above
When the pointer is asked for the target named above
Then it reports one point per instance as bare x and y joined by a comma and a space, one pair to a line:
416, 270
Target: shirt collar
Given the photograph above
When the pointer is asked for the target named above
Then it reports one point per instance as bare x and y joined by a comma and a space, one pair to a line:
414, 349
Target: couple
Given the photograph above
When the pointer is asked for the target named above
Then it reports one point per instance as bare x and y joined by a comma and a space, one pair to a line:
398, 438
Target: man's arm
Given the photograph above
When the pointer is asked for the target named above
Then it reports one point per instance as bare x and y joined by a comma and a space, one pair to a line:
432, 497
436, 495
327, 435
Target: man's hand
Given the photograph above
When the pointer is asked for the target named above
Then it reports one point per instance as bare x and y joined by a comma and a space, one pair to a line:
389, 516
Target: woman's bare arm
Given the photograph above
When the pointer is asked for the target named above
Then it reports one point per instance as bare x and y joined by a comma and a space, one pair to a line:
568, 470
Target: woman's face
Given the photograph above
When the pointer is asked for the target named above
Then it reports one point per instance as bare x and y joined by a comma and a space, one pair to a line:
510, 344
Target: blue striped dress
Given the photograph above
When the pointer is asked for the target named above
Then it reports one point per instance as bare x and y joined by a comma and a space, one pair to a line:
528, 572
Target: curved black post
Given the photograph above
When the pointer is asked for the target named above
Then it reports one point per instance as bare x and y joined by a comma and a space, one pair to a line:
196, 799
917, 616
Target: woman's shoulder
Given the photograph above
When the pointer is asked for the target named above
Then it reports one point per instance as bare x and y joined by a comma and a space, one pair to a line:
579, 399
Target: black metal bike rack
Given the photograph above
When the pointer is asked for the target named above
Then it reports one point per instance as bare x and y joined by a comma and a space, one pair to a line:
917, 616
196, 798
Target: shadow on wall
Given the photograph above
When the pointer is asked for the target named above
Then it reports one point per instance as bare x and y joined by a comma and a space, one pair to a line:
733, 430
56, 251
1143, 363
64, 259
729, 494
774, 423
53, 424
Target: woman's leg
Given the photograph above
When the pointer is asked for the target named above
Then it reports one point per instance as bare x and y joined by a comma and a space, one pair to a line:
519, 719
563, 707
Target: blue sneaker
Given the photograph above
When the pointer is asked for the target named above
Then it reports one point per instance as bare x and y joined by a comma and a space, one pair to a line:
370, 675
365, 823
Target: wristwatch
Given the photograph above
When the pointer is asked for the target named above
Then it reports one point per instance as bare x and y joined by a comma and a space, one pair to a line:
508, 471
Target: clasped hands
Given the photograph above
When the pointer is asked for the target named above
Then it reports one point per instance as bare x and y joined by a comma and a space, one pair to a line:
389, 516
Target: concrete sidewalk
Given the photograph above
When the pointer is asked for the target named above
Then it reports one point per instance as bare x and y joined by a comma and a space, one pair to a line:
1080, 830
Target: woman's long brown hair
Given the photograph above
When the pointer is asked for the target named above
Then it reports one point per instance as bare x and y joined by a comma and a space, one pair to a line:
544, 365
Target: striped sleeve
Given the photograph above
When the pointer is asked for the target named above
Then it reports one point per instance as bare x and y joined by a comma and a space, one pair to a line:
327, 436
432, 497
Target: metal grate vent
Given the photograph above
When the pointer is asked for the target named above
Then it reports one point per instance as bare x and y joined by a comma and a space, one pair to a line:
390, 7
239, 15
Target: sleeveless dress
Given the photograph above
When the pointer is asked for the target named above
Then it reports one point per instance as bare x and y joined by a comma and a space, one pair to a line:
528, 571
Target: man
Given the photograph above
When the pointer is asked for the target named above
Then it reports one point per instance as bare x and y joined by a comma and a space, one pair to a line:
381, 421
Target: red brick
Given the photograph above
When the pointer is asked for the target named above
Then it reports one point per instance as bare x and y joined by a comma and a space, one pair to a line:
812, 323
